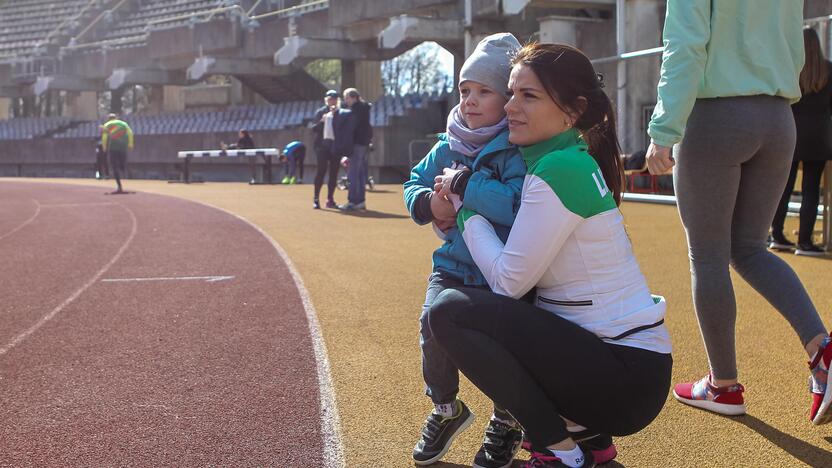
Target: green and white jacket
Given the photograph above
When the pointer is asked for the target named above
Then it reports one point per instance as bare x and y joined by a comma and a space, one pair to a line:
569, 240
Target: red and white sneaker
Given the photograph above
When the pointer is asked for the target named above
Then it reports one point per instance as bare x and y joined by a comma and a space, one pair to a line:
819, 384
703, 394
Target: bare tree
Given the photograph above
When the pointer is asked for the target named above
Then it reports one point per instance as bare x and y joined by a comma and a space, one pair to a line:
418, 70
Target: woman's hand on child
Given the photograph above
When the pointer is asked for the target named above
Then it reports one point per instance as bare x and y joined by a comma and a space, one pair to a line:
443, 211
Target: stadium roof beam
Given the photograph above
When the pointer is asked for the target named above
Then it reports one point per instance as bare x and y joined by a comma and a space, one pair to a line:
514, 7
296, 48
142, 76
357, 11
64, 83
414, 29
206, 66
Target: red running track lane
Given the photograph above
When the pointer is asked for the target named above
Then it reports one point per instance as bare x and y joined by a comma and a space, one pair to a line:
154, 373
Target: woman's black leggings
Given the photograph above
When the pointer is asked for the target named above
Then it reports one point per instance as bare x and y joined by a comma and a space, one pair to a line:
540, 366
812, 173
327, 162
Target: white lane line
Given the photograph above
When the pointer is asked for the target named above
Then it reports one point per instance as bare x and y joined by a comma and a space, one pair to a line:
330, 420
77, 205
207, 279
19, 338
25, 223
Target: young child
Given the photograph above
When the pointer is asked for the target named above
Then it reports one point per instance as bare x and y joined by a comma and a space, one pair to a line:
492, 179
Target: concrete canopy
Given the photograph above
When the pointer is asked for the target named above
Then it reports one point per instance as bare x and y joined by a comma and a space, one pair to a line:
64, 83
142, 76
304, 48
206, 66
413, 29
514, 7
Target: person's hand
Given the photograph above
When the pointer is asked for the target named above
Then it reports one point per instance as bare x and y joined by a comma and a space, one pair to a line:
659, 159
443, 211
445, 225
443, 183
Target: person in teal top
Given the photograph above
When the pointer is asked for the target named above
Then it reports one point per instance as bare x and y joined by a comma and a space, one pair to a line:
729, 73
590, 357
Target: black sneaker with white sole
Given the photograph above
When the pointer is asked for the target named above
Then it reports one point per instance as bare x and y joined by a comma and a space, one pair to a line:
439, 432
810, 250
499, 445
780, 243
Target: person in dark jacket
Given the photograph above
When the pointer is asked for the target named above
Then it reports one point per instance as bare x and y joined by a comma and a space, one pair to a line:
101, 167
324, 136
357, 173
245, 141
814, 147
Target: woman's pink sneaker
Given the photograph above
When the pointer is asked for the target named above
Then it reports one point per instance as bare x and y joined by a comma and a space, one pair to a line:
703, 394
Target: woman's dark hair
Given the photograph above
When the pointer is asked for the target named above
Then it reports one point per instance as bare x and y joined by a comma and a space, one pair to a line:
245, 133
567, 75
815, 73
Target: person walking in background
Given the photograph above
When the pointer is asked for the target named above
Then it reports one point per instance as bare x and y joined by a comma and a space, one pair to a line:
101, 167
729, 73
357, 172
295, 153
245, 141
814, 131
117, 140
324, 138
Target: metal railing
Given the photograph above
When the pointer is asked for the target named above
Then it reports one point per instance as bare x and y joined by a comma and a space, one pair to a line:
98, 18
68, 20
297, 8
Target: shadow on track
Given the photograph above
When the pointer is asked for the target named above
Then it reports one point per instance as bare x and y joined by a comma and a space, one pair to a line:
799, 449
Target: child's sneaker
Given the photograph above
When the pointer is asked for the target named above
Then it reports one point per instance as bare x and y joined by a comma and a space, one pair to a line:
499, 445
819, 384
549, 460
439, 432
703, 394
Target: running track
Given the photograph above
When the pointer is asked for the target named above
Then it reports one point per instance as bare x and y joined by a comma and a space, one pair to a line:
156, 372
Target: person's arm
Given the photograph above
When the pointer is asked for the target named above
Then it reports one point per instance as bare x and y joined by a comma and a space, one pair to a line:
105, 135
687, 31
498, 199
560, 192
542, 226
418, 190
130, 140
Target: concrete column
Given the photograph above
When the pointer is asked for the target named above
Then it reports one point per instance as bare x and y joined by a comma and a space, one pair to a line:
116, 100
81, 105
645, 19
5, 108
173, 99
348, 74
155, 100
368, 80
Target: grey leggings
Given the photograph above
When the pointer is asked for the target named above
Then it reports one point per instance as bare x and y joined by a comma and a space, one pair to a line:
731, 170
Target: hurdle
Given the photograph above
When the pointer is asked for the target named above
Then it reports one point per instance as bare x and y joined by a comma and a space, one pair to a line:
267, 153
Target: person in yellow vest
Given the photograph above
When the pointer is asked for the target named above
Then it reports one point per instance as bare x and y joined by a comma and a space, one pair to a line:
117, 140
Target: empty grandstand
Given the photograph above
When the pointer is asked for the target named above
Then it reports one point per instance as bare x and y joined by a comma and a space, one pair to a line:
188, 74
